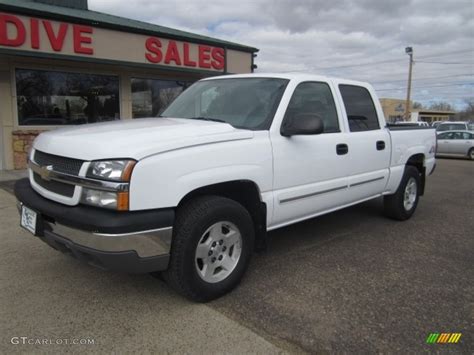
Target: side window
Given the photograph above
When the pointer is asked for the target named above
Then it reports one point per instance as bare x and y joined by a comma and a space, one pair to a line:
443, 136
360, 108
467, 135
449, 135
314, 98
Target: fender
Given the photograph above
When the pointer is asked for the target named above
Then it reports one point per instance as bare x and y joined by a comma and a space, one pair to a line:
164, 179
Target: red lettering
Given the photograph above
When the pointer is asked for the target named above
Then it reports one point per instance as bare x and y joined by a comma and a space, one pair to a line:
35, 41
80, 37
56, 41
218, 55
153, 46
187, 61
20, 35
204, 57
172, 53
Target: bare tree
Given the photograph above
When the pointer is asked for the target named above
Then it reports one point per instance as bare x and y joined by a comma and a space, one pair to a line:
417, 105
442, 106
468, 113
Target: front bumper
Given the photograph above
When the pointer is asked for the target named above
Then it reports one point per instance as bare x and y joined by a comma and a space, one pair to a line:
135, 242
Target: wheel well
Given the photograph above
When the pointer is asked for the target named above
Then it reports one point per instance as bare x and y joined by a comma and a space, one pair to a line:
418, 161
247, 194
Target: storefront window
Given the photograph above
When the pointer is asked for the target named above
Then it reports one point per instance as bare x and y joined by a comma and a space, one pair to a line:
150, 97
64, 98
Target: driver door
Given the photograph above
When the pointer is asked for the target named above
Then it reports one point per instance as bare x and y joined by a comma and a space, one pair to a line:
309, 170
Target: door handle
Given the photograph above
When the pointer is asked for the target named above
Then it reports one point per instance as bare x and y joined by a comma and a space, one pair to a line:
342, 149
380, 145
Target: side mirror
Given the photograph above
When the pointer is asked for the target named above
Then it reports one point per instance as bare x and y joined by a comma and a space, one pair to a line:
302, 124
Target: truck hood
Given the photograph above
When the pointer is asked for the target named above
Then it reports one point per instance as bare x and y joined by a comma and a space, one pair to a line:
135, 139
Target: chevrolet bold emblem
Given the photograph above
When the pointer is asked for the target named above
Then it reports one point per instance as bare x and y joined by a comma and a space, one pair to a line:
46, 172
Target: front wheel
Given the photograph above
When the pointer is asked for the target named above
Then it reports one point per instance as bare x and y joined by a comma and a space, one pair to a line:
212, 245
402, 204
471, 154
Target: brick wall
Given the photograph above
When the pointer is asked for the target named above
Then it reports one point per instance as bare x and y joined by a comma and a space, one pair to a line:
22, 141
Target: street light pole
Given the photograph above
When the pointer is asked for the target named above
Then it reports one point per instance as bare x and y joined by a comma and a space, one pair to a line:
409, 51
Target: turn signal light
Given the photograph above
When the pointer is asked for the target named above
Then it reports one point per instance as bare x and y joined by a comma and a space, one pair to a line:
122, 201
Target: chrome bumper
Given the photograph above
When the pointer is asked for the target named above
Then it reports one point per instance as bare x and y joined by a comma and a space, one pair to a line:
145, 243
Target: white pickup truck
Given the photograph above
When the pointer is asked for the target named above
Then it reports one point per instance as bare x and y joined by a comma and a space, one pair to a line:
193, 192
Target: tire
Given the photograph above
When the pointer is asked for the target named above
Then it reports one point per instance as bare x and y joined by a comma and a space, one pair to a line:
201, 226
397, 206
470, 154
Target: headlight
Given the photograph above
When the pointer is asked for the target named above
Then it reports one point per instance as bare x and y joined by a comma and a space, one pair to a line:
111, 170
105, 199
115, 170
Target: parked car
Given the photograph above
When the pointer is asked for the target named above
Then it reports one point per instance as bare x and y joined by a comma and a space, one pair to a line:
435, 124
452, 126
459, 143
194, 192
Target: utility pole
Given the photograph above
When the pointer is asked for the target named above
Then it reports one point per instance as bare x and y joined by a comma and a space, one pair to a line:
409, 51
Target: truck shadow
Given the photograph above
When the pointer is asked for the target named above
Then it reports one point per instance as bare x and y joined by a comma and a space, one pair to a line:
323, 228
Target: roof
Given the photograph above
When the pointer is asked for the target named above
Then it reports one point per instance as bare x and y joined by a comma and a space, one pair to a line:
294, 76
99, 19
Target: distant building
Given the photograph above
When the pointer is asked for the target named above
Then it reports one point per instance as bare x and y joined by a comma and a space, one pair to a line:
431, 115
394, 110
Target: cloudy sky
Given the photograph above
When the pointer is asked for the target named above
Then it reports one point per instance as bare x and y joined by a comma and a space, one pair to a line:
363, 39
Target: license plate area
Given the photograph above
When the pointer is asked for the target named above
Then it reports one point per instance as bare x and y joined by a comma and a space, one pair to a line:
29, 219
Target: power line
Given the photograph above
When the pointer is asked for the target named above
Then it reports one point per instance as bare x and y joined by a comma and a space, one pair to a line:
426, 78
426, 87
360, 64
419, 61
398, 60
386, 61
441, 54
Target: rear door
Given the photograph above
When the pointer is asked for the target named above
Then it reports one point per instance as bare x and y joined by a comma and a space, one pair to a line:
368, 140
445, 141
461, 143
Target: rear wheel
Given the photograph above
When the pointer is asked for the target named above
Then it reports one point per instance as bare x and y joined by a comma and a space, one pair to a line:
402, 204
212, 245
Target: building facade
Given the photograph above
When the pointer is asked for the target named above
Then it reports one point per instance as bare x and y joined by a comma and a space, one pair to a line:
394, 110
431, 116
62, 64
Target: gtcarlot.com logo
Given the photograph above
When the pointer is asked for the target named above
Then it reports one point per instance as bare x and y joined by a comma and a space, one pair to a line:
50, 341
443, 338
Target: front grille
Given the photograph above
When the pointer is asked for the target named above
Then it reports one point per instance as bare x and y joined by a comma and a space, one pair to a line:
54, 186
60, 164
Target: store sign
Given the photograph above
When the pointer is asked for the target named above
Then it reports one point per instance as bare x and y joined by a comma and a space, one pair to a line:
33, 34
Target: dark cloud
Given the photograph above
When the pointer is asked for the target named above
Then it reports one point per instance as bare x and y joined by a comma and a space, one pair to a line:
336, 37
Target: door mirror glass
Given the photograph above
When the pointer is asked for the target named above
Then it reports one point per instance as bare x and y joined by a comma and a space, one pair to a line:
302, 124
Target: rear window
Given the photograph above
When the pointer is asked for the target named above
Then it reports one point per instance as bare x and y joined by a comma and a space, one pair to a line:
360, 108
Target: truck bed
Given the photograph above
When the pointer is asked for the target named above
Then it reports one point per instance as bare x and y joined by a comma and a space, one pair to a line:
406, 127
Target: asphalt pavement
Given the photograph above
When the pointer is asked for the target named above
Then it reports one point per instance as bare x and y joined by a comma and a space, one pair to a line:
349, 282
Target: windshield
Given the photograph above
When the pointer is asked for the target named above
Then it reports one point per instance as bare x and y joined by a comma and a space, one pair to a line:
248, 103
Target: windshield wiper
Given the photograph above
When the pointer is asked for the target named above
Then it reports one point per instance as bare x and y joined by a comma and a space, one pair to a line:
208, 119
